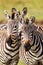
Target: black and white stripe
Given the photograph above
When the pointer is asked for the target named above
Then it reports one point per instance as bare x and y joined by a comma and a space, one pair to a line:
3, 26
9, 43
31, 39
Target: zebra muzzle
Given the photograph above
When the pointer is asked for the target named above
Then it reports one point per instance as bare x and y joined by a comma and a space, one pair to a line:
27, 46
9, 40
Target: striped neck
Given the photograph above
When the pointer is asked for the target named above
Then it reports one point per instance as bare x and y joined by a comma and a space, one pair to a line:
36, 47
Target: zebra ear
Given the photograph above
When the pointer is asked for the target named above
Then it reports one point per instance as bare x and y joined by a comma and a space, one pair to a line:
13, 10
6, 14
19, 12
13, 15
24, 11
27, 21
32, 19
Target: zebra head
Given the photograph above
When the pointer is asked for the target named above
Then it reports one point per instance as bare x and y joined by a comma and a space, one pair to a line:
24, 33
27, 29
14, 23
12, 27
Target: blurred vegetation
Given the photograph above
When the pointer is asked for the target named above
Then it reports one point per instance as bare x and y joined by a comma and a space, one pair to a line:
21, 62
35, 7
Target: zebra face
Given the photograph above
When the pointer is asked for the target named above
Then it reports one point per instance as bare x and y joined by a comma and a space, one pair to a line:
26, 33
13, 22
12, 26
13, 33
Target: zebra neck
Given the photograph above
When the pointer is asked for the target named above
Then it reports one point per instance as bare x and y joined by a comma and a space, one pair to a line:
36, 50
11, 50
36, 47
36, 44
11, 44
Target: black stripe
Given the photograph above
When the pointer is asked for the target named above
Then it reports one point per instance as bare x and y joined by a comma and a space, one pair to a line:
16, 37
37, 50
33, 41
13, 15
37, 40
37, 47
10, 55
31, 54
11, 49
42, 48
8, 62
12, 46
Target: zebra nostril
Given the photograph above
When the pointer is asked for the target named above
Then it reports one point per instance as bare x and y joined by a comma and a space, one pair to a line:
27, 46
9, 40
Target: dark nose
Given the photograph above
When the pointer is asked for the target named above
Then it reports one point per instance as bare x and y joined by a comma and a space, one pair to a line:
9, 40
27, 46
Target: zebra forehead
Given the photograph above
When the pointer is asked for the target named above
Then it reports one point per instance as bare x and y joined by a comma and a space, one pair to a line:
13, 21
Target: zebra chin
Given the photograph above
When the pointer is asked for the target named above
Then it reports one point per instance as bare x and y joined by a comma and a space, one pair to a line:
27, 47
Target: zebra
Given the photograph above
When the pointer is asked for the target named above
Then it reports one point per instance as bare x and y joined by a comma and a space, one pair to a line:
10, 43
32, 44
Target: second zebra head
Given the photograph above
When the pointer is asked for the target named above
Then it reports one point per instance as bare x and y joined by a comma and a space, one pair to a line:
27, 28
